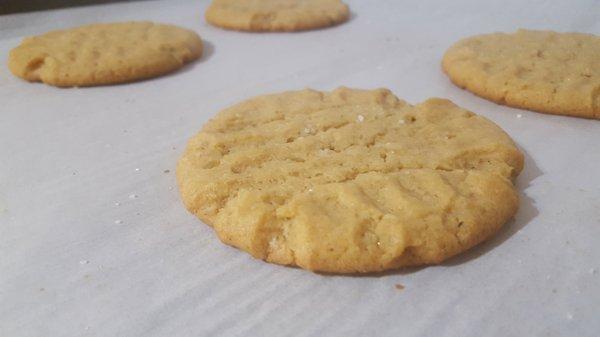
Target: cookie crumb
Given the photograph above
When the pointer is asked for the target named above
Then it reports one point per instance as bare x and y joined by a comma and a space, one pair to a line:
84, 262
166, 171
133, 196
399, 286
118, 222
308, 131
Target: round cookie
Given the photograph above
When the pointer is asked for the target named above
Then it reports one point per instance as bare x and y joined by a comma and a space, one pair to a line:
276, 15
545, 71
104, 53
351, 180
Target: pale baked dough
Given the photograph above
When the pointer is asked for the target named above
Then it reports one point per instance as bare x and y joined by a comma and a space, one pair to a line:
351, 180
104, 53
276, 15
545, 71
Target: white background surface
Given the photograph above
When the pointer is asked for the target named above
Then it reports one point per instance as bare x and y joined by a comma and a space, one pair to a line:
67, 156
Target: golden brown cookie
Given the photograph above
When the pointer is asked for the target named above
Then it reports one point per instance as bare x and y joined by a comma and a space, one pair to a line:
350, 180
104, 53
276, 15
545, 71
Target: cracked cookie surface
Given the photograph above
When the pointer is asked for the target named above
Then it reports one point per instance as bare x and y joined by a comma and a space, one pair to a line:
350, 180
101, 54
545, 71
276, 15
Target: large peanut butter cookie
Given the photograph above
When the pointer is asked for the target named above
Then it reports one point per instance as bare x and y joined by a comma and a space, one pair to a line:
104, 54
276, 15
557, 73
351, 180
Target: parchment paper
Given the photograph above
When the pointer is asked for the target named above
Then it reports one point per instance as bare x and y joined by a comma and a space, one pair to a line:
94, 240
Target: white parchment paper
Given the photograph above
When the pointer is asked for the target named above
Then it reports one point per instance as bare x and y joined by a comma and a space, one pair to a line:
94, 240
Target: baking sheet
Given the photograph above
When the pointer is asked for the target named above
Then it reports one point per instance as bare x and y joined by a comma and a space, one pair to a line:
94, 240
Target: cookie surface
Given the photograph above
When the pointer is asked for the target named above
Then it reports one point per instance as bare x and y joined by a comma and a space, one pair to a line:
545, 71
104, 53
276, 15
351, 180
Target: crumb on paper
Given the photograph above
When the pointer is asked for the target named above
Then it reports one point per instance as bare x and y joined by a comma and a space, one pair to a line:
399, 286
166, 171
